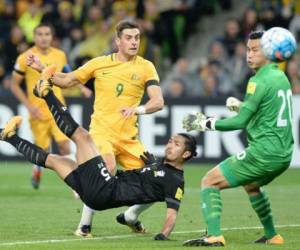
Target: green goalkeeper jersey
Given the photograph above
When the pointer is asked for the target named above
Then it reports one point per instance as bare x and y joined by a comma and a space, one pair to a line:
269, 101
269, 97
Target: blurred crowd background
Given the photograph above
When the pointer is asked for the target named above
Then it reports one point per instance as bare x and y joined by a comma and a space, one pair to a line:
85, 29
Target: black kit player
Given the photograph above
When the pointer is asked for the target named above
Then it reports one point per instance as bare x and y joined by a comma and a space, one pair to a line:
88, 176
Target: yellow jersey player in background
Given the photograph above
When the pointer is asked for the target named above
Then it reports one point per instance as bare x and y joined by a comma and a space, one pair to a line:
42, 124
120, 82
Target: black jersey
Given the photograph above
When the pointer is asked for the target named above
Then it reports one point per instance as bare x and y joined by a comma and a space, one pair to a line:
159, 183
100, 191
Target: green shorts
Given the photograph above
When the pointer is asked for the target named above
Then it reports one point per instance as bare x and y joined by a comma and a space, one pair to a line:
243, 168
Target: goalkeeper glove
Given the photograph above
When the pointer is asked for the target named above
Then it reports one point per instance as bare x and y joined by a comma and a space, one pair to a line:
149, 159
198, 122
233, 104
160, 236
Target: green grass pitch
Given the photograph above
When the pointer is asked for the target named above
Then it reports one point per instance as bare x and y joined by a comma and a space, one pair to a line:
46, 219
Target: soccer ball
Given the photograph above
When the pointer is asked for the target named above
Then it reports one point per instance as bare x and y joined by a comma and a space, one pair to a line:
278, 44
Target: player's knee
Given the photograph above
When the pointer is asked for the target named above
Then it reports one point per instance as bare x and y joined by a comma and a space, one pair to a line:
206, 182
64, 148
82, 135
53, 161
110, 163
252, 189
111, 168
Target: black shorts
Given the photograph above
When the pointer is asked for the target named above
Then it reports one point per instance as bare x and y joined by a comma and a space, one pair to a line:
93, 183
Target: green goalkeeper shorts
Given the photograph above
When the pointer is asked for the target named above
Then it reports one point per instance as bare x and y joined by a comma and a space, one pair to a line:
243, 169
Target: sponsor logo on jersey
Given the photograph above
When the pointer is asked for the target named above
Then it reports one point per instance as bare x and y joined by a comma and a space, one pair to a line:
251, 88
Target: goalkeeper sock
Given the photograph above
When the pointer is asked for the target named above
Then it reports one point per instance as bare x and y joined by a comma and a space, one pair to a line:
211, 206
61, 115
261, 206
31, 152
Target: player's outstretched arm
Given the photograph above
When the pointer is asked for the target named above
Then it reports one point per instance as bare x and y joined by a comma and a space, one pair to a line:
168, 225
65, 80
200, 122
239, 121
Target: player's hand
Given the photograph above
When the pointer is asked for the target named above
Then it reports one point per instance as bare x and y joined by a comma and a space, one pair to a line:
128, 112
34, 62
149, 159
160, 236
233, 104
198, 122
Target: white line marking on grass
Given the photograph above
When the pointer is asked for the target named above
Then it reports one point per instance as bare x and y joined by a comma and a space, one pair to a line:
133, 235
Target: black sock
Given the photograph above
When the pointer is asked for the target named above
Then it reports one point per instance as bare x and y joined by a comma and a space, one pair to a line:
31, 152
61, 115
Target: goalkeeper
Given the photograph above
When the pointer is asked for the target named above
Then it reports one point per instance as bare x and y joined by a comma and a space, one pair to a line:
266, 116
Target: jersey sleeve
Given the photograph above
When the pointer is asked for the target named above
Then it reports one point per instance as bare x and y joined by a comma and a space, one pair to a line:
174, 194
151, 73
86, 72
236, 122
254, 95
20, 65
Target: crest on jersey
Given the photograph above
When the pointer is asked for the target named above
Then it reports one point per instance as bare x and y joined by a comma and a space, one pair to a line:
160, 173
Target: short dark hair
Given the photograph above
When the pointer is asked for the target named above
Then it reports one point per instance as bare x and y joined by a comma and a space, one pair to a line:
256, 35
125, 24
190, 145
44, 25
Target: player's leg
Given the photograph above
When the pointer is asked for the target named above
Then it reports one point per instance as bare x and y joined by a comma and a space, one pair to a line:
211, 204
62, 141
261, 204
32, 152
86, 148
41, 133
129, 158
130, 217
212, 183
110, 162
84, 228
63, 144
63, 147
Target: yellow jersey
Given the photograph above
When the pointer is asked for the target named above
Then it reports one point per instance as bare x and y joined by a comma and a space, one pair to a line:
31, 76
117, 85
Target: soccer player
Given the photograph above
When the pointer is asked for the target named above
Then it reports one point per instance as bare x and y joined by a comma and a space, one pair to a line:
266, 115
42, 124
120, 82
91, 180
